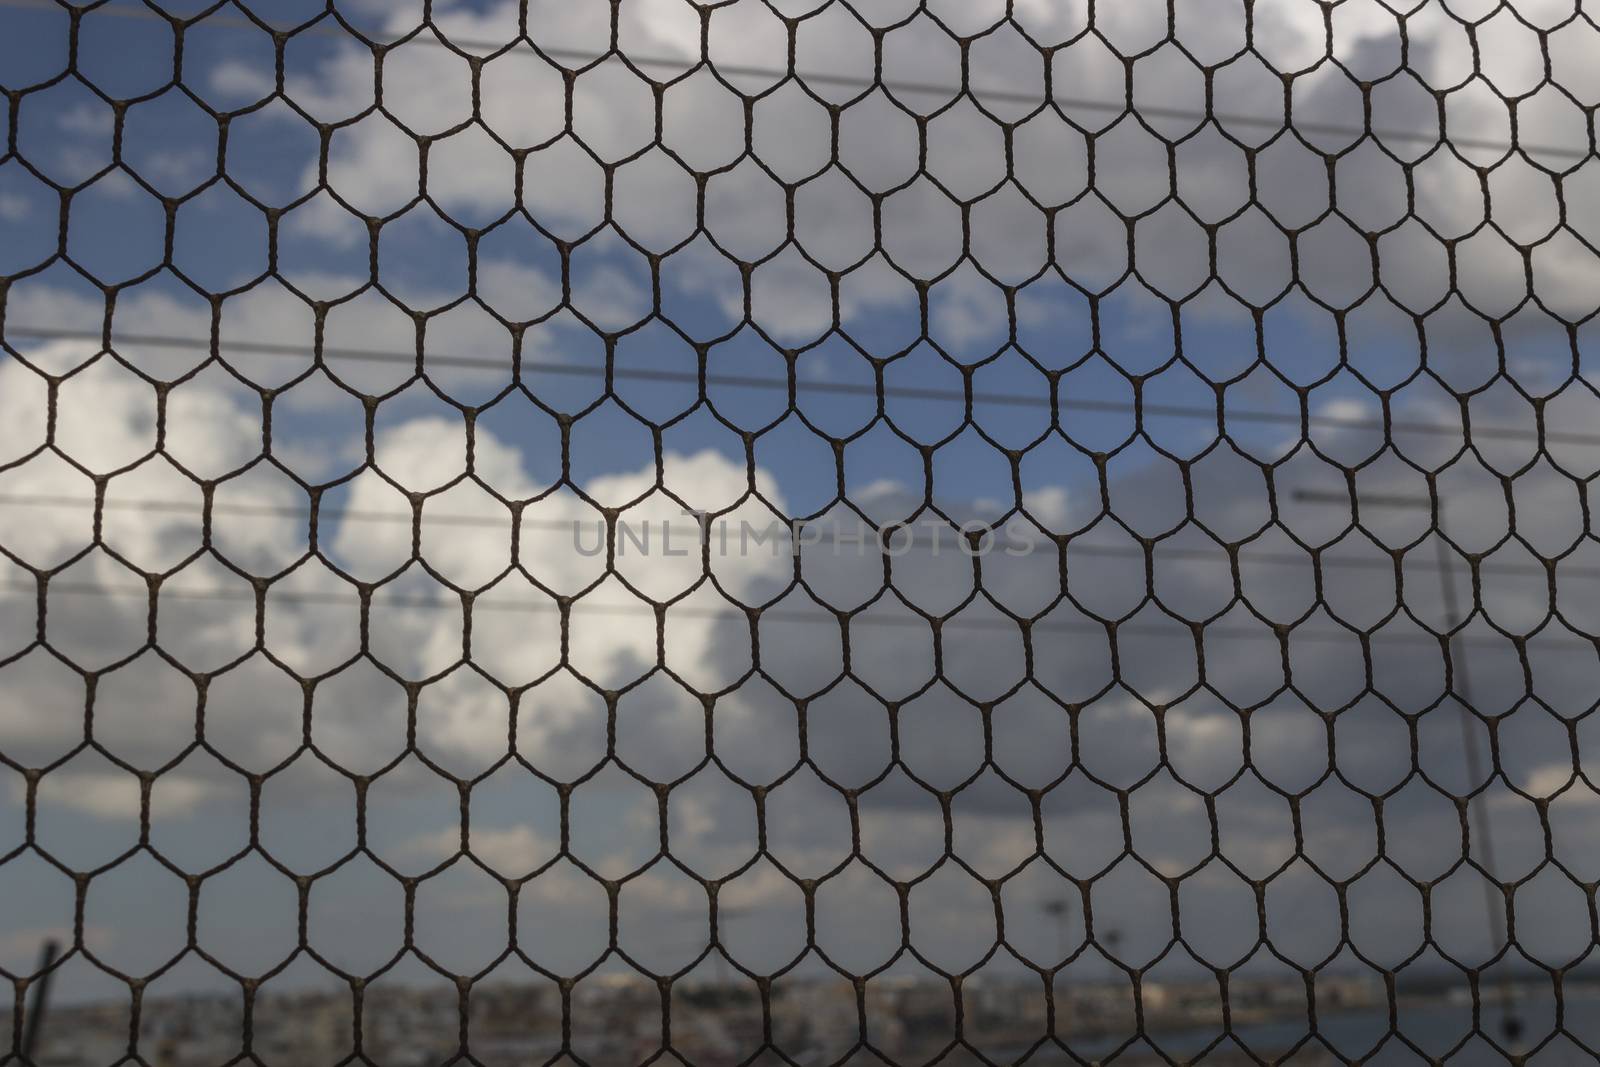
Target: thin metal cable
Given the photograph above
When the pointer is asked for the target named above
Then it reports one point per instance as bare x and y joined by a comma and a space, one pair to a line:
686, 65
821, 535
397, 602
1489, 430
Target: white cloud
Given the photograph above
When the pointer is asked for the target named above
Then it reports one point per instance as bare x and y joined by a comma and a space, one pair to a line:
115, 794
513, 850
1544, 782
112, 423
84, 118
234, 77
375, 164
1048, 505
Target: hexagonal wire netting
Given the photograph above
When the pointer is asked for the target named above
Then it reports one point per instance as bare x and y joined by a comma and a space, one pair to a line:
798, 530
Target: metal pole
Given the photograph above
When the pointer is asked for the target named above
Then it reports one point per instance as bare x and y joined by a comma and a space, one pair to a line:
1059, 909
41, 998
1477, 810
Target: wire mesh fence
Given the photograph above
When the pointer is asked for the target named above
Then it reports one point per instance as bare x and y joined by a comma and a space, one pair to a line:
798, 531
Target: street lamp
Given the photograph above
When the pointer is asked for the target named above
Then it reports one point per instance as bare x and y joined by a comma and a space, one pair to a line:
1510, 1023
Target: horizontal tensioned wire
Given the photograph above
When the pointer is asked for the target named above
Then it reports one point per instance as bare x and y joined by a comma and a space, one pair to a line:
822, 617
686, 65
796, 384
811, 534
